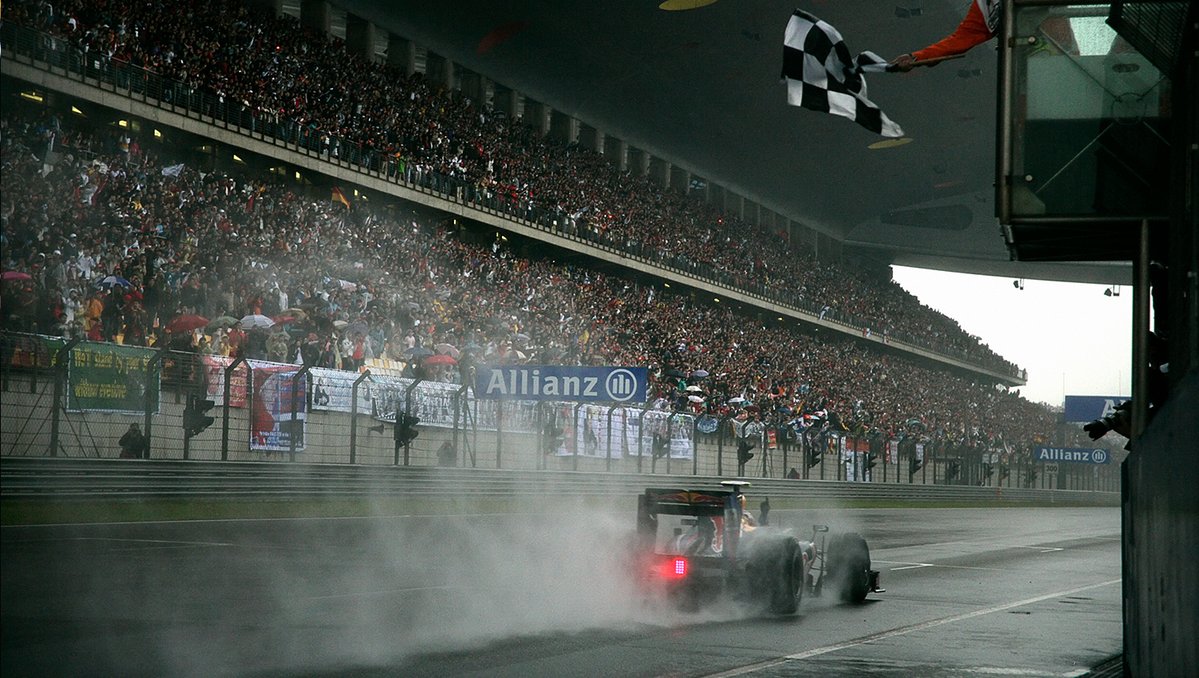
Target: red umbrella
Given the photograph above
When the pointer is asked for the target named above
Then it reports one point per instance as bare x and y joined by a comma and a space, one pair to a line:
440, 359
186, 323
15, 275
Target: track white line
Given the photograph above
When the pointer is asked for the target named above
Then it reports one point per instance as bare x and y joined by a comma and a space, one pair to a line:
171, 542
911, 566
902, 630
382, 593
182, 521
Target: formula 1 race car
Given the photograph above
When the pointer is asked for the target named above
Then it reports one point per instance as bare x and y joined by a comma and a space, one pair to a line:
694, 546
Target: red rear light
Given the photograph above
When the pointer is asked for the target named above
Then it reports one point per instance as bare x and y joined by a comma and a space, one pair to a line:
674, 568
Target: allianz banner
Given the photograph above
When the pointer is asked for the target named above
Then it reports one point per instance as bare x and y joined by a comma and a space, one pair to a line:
112, 378
558, 383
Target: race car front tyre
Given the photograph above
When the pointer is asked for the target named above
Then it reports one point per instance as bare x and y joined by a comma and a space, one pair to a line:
848, 562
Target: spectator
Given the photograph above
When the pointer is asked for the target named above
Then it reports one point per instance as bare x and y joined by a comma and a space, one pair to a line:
133, 444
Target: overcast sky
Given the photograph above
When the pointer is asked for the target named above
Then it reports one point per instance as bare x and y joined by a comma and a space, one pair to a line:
1071, 338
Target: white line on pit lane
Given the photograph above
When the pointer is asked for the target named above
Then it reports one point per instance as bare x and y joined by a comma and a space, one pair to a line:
911, 566
359, 594
292, 519
161, 542
903, 630
1008, 671
970, 542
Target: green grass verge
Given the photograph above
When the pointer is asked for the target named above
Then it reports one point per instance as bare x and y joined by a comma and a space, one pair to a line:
43, 512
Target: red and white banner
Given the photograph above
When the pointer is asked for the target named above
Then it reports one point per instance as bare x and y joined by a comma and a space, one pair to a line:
280, 409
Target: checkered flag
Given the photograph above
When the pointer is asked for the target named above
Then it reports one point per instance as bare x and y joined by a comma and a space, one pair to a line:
821, 75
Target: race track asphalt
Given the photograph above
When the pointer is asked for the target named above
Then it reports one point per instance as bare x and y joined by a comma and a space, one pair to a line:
996, 591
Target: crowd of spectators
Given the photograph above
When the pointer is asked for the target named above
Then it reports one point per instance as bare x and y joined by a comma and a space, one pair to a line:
104, 239
308, 88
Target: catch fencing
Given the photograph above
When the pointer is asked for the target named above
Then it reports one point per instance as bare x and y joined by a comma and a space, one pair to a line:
74, 399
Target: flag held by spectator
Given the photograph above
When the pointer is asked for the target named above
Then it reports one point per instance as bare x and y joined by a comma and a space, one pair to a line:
821, 76
340, 197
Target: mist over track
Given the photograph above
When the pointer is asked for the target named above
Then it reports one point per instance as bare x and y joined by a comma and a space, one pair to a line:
542, 592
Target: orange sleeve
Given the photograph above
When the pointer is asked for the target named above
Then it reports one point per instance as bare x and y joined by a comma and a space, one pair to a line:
971, 32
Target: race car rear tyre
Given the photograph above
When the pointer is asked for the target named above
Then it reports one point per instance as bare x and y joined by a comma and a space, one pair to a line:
788, 590
848, 561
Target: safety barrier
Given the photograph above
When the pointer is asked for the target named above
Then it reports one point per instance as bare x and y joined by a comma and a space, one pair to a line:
74, 479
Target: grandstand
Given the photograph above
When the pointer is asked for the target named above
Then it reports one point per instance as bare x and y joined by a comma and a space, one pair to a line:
420, 218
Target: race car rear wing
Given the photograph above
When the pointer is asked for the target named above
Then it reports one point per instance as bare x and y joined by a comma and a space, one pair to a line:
685, 502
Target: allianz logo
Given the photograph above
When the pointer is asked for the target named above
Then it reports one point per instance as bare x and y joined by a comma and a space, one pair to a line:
619, 384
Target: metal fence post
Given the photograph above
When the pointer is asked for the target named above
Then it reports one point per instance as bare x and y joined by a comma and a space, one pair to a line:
539, 428
464, 401
61, 363
457, 397
407, 413
148, 422
694, 446
720, 446
781, 436
608, 461
765, 453
641, 436
354, 415
928, 448
249, 390
575, 464
669, 439
225, 404
295, 380
499, 431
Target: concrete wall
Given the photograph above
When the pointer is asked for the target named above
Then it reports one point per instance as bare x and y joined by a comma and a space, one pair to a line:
1161, 541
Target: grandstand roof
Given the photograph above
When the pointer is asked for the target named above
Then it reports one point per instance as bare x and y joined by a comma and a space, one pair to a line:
701, 88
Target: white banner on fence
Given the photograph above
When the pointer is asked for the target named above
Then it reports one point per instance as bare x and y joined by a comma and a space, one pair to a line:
656, 424
333, 390
591, 434
432, 402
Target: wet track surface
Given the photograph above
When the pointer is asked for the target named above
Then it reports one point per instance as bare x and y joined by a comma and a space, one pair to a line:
1012, 591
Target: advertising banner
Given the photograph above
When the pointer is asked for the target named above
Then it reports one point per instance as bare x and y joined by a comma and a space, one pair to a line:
214, 380
111, 378
32, 350
516, 417
332, 390
592, 433
563, 384
587, 433
658, 424
432, 402
1074, 455
276, 392
1082, 409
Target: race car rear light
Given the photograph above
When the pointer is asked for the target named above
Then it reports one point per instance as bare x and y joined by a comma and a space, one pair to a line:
674, 568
